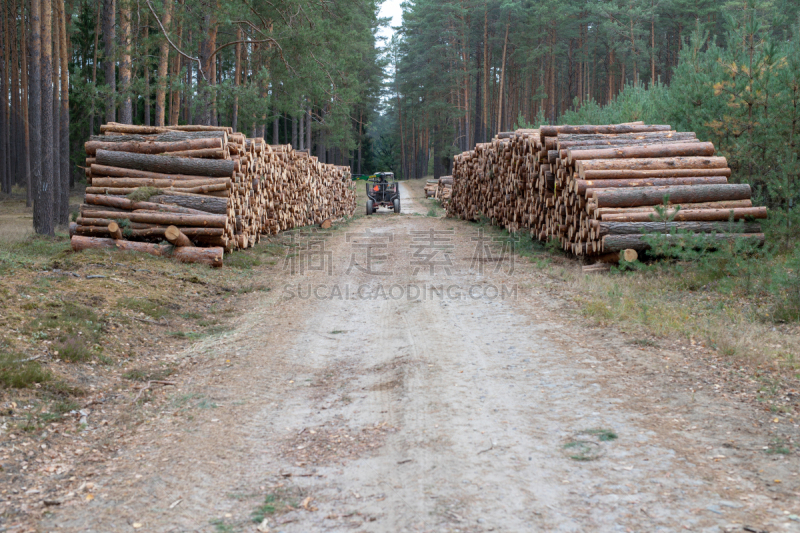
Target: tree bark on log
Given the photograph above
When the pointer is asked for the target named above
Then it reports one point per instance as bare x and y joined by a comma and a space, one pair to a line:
168, 136
647, 151
208, 256
734, 204
582, 186
130, 205
116, 172
219, 191
613, 243
691, 215
201, 203
159, 183
153, 147
167, 219
661, 173
166, 164
552, 131
660, 163
678, 194
637, 228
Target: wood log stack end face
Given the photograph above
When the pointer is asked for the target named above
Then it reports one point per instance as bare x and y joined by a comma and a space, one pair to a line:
208, 190
568, 182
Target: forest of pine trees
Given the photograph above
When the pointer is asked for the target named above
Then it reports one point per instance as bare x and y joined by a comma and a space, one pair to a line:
299, 72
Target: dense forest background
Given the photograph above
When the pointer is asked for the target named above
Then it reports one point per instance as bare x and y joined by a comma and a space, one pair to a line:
314, 73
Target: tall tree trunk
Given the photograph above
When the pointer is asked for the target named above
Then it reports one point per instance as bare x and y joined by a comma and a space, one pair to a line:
41, 200
294, 132
486, 132
56, 139
5, 130
360, 137
478, 136
205, 80
109, 43
237, 79
302, 130
175, 94
47, 183
126, 110
94, 67
18, 147
551, 89
163, 62
146, 69
275, 128
26, 47
308, 130
63, 215
610, 73
652, 49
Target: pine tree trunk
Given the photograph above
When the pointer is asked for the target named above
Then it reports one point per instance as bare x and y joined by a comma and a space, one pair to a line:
275, 128
302, 131
308, 130
5, 133
56, 142
175, 95
147, 89
486, 131
109, 45
46, 185
16, 100
63, 217
26, 49
126, 110
294, 133
94, 67
237, 79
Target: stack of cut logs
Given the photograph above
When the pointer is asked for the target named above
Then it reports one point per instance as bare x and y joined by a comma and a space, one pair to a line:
431, 186
444, 189
595, 189
198, 187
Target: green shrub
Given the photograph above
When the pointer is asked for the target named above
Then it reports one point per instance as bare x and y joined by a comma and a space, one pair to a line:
17, 373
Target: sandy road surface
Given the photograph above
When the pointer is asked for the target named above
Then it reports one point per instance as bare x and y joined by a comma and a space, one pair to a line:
377, 396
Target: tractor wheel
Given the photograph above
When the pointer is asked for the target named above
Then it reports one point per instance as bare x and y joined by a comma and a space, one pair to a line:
397, 205
370, 208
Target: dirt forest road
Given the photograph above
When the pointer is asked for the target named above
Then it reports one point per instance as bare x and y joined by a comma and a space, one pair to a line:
409, 377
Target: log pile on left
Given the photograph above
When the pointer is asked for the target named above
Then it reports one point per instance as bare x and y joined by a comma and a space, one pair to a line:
198, 187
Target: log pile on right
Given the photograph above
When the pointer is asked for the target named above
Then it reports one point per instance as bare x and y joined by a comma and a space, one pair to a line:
595, 189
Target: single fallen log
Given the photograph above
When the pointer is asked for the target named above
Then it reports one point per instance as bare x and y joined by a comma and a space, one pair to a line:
678, 194
167, 219
159, 184
127, 204
613, 243
649, 163
552, 131
200, 203
689, 215
186, 254
146, 147
658, 173
651, 151
169, 136
637, 228
222, 168
582, 186
108, 171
